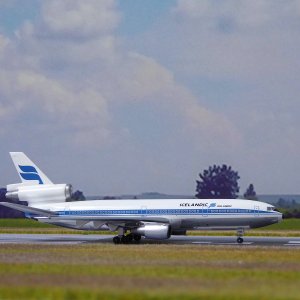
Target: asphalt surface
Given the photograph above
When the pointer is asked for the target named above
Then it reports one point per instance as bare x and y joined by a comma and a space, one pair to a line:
290, 242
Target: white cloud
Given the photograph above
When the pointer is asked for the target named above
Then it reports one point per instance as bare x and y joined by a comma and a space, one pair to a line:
3, 44
78, 19
67, 74
236, 39
240, 58
99, 63
241, 15
84, 112
140, 77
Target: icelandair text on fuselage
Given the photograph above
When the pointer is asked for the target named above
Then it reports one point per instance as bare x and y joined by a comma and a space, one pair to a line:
193, 204
204, 205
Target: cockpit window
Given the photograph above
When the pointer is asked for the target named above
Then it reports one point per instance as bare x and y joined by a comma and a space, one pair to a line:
270, 208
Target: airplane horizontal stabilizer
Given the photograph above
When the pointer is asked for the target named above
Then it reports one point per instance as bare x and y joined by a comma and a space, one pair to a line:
28, 209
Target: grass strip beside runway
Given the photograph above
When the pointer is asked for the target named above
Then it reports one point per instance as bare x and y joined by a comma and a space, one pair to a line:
148, 272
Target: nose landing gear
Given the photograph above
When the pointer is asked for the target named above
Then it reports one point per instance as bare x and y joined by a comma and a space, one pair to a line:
240, 232
240, 240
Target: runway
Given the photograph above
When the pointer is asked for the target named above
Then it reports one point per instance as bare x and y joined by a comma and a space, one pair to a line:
290, 242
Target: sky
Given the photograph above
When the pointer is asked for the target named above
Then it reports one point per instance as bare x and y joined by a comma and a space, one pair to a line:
128, 96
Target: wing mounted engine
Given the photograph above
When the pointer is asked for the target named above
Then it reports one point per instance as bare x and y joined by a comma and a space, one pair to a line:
154, 231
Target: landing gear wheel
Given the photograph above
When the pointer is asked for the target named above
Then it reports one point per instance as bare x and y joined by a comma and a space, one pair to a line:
117, 240
137, 237
129, 238
124, 239
240, 232
240, 240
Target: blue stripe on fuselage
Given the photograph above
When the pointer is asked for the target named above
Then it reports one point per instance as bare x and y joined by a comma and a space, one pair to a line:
162, 212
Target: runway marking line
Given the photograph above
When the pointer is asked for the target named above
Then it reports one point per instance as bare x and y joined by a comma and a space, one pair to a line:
292, 243
244, 243
201, 242
216, 243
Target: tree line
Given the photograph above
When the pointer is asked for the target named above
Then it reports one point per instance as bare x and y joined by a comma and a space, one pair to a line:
221, 182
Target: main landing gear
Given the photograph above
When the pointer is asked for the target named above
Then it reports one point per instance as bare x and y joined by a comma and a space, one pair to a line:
240, 232
127, 239
123, 238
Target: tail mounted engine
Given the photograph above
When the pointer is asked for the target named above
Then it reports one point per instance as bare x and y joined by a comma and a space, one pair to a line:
44, 193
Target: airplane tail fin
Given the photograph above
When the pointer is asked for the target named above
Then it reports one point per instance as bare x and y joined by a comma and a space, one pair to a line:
27, 170
36, 187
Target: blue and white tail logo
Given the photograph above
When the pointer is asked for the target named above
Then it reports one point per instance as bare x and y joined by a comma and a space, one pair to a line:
30, 173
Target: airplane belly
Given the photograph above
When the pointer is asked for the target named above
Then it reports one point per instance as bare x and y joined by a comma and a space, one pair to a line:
228, 221
262, 221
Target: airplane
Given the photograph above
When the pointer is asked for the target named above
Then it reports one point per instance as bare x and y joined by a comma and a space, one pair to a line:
133, 219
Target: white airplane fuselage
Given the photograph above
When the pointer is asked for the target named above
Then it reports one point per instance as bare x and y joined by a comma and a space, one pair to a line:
181, 214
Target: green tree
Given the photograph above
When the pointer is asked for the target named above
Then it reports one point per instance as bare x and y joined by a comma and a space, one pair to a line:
78, 196
218, 182
250, 193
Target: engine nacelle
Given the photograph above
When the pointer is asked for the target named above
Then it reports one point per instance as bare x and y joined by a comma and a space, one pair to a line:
154, 231
42, 193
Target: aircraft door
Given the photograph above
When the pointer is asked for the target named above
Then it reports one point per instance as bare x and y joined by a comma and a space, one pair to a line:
204, 211
143, 210
67, 210
256, 210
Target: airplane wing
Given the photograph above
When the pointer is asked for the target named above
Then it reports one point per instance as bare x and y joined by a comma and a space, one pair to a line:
31, 210
117, 221
112, 221
116, 218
